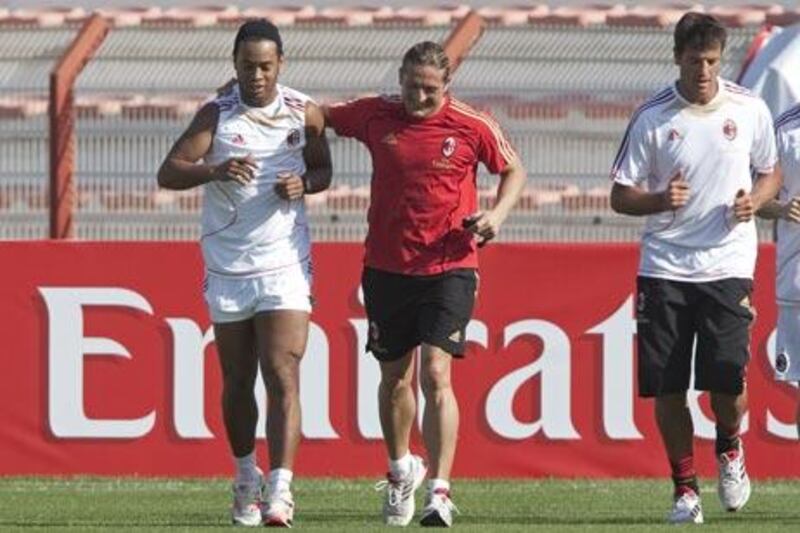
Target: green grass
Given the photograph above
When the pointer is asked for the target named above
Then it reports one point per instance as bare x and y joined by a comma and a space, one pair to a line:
136, 504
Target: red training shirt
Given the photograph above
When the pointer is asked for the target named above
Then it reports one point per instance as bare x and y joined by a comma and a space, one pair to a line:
423, 180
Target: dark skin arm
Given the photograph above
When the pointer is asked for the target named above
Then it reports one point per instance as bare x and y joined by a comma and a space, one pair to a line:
789, 211
317, 156
181, 169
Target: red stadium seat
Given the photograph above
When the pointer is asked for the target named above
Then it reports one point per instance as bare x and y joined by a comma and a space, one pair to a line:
362, 16
42, 16
591, 200
739, 16
98, 107
436, 16
280, 16
575, 16
128, 201
608, 110
316, 202
511, 16
323, 20
181, 19
128, 16
650, 16
393, 19
190, 201
536, 110
159, 108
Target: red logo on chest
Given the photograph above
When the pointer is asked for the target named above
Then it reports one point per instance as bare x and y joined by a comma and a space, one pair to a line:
729, 129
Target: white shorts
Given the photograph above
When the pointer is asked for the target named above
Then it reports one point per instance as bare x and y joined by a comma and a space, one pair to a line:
236, 299
787, 347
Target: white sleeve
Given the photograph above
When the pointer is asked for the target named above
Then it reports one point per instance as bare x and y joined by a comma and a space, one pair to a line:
763, 153
633, 163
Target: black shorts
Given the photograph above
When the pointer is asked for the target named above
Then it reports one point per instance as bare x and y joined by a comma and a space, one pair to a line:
670, 314
405, 311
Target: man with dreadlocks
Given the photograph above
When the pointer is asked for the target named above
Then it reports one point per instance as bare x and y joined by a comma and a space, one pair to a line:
261, 148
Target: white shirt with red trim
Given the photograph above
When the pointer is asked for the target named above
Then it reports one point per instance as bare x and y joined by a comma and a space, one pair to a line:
714, 146
249, 230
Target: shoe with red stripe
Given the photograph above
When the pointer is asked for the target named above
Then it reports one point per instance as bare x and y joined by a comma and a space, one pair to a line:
398, 503
734, 484
439, 509
278, 510
246, 508
686, 509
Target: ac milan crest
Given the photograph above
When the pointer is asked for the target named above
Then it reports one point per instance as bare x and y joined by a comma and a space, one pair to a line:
729, 129
448, 146
293, 138
782, 362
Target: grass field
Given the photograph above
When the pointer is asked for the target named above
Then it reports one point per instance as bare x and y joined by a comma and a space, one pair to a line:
133, 504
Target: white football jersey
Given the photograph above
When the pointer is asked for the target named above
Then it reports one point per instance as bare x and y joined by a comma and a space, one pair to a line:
714, 146
787, 133
249, 230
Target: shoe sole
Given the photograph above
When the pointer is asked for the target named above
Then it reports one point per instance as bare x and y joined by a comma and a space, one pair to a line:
745, 499
694, 520
433, 520
277, 523
239, 523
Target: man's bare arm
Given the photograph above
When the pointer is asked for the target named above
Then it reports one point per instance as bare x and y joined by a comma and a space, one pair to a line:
317, 156
181, 170
486, 224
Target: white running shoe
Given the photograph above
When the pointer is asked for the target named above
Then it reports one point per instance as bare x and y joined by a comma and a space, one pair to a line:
686, 509
398, 503
246, 508
279, 510
734, 483
439, 508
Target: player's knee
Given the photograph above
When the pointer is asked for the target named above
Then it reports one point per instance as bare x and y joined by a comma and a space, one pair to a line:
239, 383
435, 378
395, 383
283, 379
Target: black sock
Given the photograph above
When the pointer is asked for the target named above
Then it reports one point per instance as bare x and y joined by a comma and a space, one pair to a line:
681, 484
727, 440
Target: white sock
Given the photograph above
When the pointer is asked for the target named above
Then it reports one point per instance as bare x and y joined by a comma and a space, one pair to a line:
438, 484
246, 468
280, 480
400, 467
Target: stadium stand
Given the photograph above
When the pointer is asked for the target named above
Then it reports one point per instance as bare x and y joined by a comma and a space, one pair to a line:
563, 82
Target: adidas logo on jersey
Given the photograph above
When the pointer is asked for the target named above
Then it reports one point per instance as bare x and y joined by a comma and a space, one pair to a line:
455, 336
745, 302
390, 138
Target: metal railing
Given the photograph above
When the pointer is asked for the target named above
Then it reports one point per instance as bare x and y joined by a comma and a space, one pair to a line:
563, 94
